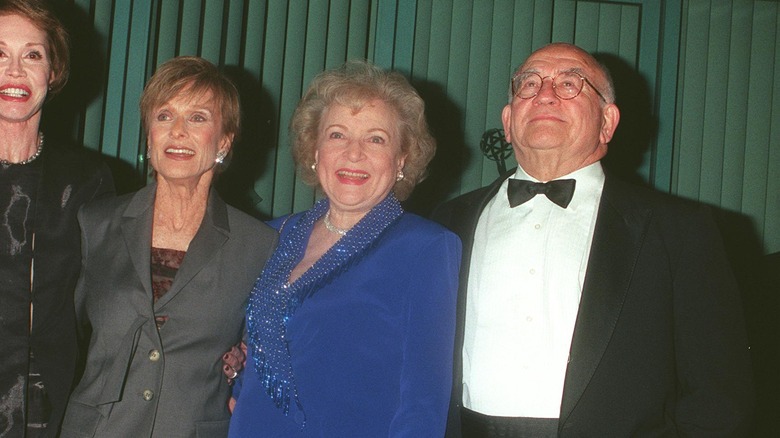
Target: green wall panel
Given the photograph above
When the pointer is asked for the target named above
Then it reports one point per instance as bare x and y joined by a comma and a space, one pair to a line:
700, 94
728, 113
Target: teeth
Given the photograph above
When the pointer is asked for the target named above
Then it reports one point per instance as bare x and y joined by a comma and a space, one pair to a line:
179, 151
352, 174
15, 92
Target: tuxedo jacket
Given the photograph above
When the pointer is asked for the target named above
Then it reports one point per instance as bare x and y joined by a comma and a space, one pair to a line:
659, 345
141, 381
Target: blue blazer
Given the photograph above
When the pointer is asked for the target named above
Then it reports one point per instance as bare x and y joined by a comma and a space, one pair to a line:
372, 349
659, 345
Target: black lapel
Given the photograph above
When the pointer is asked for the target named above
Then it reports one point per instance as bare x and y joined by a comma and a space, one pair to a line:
620, 230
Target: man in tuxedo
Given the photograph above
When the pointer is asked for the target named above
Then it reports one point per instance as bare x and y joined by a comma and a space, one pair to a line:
589, 307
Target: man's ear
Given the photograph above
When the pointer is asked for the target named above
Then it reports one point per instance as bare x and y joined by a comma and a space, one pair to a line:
609, 121
506, 120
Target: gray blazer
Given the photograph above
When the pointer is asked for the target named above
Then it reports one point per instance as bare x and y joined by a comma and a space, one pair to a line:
140, 381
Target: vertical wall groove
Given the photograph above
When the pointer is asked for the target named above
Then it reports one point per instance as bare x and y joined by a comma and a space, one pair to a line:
699, 97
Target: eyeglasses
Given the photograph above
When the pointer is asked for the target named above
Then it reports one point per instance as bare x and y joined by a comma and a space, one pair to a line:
566, 85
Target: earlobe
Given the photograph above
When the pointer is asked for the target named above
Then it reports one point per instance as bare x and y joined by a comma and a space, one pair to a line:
401, 163
611, 118
506, 120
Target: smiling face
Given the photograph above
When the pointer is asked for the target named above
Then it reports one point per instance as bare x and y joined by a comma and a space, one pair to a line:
563, 134
358, 155
185, 135
25, 70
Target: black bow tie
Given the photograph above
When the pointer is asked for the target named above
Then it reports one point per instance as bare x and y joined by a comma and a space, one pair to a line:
559, 191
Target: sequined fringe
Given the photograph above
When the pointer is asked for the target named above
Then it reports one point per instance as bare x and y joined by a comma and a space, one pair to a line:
273, 300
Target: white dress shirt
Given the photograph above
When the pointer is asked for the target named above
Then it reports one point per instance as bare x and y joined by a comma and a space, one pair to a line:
527, 270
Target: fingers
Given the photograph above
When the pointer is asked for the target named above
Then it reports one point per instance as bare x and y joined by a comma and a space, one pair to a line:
233, 362
231, 358
230, 372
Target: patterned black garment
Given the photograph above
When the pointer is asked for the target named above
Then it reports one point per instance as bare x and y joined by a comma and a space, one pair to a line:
40, 239
18, 195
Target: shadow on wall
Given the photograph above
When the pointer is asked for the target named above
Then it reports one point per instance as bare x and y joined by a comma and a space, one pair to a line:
62, 119
252, 150
638, 128
444, 120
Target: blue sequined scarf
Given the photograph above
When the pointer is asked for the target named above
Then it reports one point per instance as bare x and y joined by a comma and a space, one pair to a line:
273, 300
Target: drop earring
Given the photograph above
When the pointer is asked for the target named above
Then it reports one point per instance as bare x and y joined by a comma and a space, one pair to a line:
220, 157
400, 175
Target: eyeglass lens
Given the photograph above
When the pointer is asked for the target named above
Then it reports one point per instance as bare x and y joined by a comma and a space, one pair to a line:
565, 85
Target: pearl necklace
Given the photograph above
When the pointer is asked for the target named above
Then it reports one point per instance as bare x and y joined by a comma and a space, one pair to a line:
31, 158
332, 228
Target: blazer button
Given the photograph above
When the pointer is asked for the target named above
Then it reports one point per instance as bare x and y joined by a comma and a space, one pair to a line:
154, 355
148, 394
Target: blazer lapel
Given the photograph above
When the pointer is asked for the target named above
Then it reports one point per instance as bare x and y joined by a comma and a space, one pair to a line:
620, 230
466, 216
137, 233
214, 231
462, 219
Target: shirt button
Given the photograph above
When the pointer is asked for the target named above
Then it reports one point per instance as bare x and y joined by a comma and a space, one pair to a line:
529, 318
532, 271
537, 226
148, 394
154, 355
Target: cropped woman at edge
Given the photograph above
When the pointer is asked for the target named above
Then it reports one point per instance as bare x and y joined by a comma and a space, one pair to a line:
351, 324
42, 186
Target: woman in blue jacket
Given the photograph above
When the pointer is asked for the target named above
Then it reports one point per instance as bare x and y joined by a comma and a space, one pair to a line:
351, 323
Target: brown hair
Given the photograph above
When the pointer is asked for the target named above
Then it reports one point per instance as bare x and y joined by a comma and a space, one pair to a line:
194, 76
57, 42
353, 85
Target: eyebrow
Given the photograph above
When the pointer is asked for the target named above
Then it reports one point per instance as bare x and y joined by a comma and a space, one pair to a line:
42, 46
577, 70
344, 127
382, 130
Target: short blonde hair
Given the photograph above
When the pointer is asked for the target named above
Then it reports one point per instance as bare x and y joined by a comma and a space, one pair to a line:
196, 77
353, 85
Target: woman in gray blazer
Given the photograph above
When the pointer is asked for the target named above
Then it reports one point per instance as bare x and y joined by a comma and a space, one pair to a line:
166, 272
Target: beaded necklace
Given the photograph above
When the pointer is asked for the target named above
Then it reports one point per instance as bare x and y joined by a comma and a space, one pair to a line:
32, 157
274, 300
